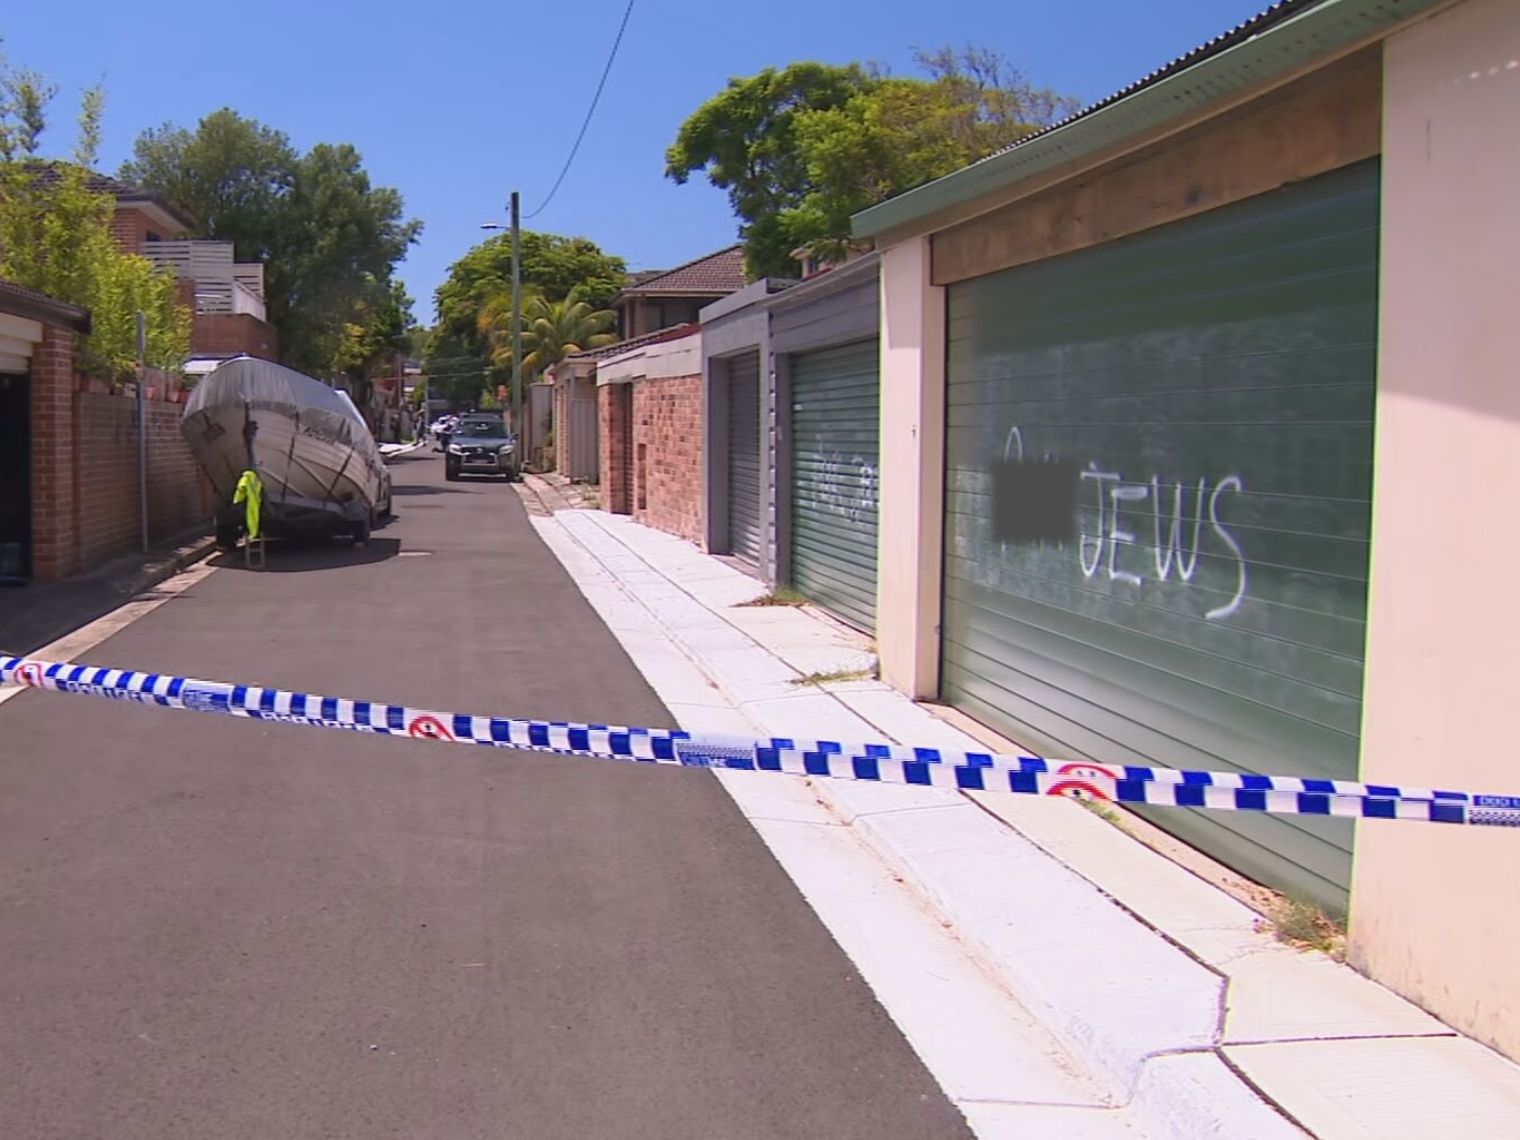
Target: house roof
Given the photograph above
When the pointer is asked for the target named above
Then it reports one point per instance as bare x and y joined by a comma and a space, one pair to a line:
23, 302
674, 332
713, 275
1273, 43
48, 172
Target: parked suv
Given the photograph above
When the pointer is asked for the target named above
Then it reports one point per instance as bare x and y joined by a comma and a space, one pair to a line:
481, 445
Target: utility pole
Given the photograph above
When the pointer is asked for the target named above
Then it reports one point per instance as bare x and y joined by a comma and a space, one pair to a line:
517, 392
142, 428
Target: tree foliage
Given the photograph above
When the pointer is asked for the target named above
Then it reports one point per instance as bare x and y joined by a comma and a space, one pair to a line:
376, 333
460, 355
802, 149
745, 139
55, 237
551, 330
330, 240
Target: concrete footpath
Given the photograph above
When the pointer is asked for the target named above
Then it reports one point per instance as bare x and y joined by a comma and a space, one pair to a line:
1181, 1017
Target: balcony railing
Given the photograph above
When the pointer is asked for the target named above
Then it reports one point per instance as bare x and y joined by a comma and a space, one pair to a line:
221, 284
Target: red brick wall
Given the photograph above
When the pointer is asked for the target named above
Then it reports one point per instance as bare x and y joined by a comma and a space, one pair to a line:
667, 439
84, 468
130, 229
108, 509
214, 334
615, 409
54, 554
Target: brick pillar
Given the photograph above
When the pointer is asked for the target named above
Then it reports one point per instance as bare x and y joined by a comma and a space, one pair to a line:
55, 534
614, 409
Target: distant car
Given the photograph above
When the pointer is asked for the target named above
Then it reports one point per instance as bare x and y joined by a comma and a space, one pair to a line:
481, 445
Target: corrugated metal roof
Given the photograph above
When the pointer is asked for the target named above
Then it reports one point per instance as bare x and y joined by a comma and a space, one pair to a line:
714, 274
1240, 32
1285, 37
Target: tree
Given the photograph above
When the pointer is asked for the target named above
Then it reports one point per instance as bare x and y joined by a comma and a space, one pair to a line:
228, 177
377, 332
896, 134
328, 238
802, 150
459, 355
339, 242
551, 330
55, 237
743, 139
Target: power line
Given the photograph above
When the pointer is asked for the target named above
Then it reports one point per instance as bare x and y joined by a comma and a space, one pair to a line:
591, 110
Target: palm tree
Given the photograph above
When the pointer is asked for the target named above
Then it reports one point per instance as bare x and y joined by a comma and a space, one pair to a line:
551, 330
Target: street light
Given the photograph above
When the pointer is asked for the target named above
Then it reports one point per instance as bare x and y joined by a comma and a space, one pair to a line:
516, 321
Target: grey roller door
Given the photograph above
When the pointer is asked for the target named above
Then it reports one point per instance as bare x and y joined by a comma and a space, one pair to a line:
835, 425
1213, 381
744, 457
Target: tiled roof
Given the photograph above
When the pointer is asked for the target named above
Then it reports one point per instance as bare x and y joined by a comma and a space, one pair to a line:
717, 274
29, 303
675, 332
104, 184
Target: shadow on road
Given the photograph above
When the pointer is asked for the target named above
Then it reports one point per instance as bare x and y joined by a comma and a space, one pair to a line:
403, 492
292, 556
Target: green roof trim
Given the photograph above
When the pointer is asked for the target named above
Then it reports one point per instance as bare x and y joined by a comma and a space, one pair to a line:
1297, 34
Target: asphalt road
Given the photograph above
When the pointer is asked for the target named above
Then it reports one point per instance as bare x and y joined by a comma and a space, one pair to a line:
213, 928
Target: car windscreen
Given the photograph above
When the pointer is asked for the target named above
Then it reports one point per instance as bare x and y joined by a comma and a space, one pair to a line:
486, 427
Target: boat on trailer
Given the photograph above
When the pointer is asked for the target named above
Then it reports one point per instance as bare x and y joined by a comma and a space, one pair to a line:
321, 470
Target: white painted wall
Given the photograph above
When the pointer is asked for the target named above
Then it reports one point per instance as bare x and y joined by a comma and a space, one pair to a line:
17, 336
910, 531
1435, 911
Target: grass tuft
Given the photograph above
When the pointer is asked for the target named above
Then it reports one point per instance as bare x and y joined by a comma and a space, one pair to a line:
780, 596
1304, 926
836, 676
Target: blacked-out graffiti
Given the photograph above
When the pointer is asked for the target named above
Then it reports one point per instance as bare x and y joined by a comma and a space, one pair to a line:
1179, 519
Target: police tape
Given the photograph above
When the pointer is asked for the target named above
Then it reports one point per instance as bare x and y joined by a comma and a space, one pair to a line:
869, 762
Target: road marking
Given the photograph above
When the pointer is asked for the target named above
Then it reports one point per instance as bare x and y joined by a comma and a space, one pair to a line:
73, 645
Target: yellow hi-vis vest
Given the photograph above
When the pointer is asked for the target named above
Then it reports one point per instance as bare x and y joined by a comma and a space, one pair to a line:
250, 489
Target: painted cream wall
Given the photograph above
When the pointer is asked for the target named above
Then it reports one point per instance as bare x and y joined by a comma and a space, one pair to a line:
912, 494
1435, 911
671, 358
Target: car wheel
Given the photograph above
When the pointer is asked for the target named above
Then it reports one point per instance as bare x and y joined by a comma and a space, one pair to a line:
451, 472
360, 533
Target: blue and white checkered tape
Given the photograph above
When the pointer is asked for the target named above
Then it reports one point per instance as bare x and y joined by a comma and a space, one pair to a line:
872, 762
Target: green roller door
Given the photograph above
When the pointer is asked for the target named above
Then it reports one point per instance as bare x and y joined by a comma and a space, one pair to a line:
836, 409
1211, 384
744, 457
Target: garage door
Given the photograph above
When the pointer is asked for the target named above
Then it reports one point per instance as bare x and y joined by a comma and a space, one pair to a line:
744, 457
1211, 385
835, 423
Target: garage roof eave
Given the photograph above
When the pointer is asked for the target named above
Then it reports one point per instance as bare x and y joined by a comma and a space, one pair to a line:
1209, 76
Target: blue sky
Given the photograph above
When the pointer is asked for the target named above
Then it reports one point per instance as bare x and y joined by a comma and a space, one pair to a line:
455, 103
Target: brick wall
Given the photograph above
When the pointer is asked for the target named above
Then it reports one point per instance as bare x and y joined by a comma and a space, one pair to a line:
108, 511
54, 553
615, 410
561, 422
130, 229
215, 334
667, 442
85, 506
